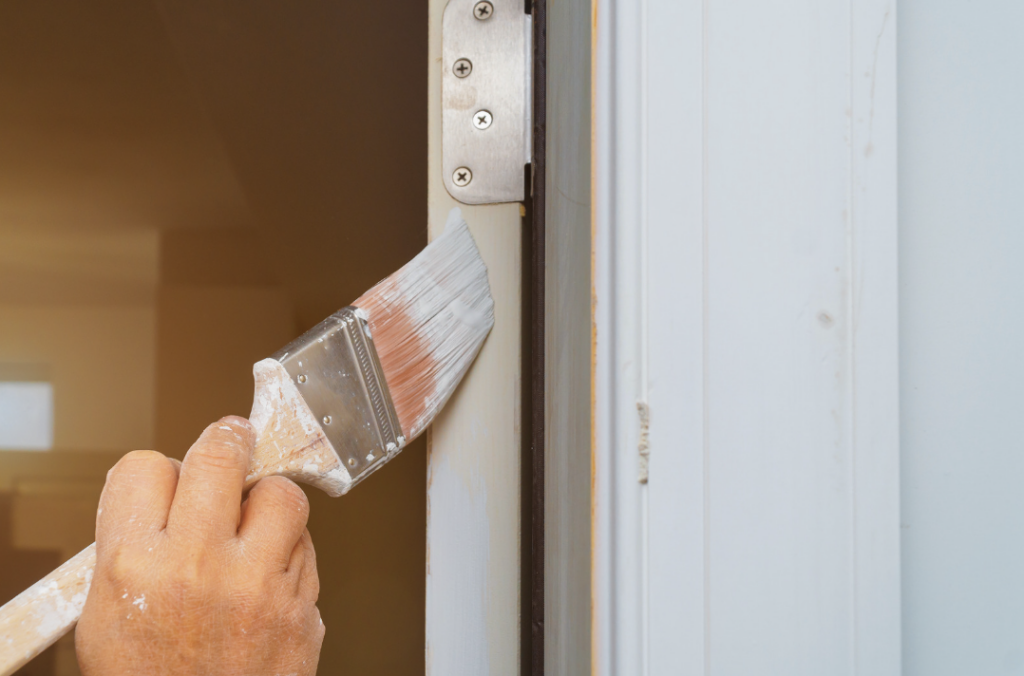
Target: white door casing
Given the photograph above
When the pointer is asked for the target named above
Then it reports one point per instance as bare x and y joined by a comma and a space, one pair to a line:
474, 490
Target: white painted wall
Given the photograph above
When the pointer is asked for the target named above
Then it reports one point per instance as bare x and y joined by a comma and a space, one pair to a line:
961, 154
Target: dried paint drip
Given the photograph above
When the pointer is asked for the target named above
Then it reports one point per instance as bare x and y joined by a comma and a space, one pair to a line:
644, 444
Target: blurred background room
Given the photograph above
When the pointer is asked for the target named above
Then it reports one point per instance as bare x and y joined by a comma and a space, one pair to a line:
183, 190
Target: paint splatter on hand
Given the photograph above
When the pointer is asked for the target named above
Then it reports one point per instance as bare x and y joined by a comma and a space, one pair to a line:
191, 580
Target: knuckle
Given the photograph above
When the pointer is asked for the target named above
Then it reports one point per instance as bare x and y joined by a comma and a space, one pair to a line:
120, 565
285, 493
321, 628
189, 579
245, 601
235, 421
233, 430
136, 461
295, 616
311, 585
259, 598
138, 468
306, 542
187, 575
143, 456
117, 568
217, 455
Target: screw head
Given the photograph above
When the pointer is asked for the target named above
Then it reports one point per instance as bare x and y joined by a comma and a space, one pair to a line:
462, 68
327, 420
351, 462
482, 119
483, 10
462, 177
301, 379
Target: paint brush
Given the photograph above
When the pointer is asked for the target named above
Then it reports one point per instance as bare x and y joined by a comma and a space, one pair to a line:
330, 408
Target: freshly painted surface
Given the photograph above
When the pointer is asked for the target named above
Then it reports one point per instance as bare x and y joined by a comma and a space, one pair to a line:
961, 334
745, 291
459, 572
473, 495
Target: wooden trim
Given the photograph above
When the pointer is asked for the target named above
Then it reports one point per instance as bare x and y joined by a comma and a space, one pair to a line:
567, 242
474, 510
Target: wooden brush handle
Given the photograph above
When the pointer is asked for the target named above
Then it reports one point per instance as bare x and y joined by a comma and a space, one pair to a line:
289, 439
34, 619
289, 442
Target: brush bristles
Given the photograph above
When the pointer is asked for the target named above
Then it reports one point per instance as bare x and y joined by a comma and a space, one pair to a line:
428, 321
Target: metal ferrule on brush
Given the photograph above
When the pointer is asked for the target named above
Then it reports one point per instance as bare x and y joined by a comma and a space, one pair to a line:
335, 367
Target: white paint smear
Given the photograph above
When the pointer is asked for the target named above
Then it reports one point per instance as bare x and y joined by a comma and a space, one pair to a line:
460, 543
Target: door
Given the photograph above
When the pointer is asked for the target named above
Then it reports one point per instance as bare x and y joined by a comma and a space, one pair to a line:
746, 493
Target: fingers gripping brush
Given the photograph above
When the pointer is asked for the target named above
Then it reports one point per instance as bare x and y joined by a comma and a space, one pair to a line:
330, 408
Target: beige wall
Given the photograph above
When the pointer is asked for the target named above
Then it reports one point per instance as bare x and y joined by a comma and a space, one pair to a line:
101, 361
161, 230
208, 340
219, 310
44, 264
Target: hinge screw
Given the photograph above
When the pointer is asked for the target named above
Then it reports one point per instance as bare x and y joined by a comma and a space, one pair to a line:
482, 119
462, 177
483, 10
462, 68
327, 420
301, 379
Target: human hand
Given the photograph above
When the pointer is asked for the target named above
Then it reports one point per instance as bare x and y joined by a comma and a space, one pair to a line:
189, 580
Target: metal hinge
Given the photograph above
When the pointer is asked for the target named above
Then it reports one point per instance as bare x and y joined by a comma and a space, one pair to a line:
486, 99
